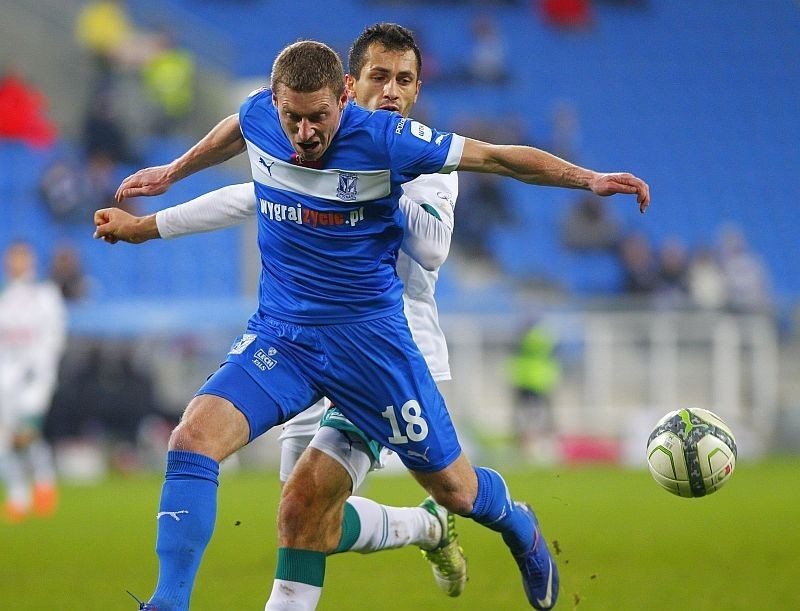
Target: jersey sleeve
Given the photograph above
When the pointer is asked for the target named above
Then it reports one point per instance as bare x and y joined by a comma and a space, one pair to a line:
253, 112
218, 209
415, 148
427, 235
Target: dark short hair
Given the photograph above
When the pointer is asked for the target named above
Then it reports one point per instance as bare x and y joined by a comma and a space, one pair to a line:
306, 66
390, 36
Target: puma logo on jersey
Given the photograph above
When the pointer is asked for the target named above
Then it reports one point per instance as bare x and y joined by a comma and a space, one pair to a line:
172, 514
266, 165
423, 456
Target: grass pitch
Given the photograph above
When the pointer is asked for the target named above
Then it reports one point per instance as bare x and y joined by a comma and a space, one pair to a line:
624, 544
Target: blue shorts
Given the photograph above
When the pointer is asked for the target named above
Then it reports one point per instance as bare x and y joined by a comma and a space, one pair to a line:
372, 371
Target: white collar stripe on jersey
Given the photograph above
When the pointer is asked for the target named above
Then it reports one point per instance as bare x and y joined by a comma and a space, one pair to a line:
349, 186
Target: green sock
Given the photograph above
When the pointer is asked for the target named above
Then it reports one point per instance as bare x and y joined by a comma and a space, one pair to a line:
301, 565
351, 529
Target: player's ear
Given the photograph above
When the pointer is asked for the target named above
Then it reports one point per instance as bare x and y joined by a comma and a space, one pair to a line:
344, 98
350, 86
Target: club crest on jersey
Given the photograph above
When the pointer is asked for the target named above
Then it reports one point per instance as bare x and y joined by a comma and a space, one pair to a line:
241, 343
263, 361
348, 187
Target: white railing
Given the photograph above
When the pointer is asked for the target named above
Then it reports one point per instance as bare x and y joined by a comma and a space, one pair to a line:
622, 370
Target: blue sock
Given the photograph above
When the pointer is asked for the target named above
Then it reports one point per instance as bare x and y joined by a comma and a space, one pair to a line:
494, 509
186, 518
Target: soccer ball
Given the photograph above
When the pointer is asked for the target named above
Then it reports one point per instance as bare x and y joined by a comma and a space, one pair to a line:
691, 452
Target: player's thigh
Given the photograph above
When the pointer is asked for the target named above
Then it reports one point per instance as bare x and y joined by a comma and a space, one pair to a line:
348, 451
379, 379
317, 484
211, 426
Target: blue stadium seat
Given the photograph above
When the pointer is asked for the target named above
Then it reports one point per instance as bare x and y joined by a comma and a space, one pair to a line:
682, 98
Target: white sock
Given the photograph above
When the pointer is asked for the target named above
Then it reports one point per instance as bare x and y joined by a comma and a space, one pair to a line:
40, 458
18, 490
384, 527
292, 596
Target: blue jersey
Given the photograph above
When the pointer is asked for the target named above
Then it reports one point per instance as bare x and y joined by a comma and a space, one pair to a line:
329, 238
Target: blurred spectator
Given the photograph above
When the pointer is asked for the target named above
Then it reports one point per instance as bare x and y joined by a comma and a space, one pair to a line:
73, 191
169, 80
534, 372
32, 336
101, 184
66, 271
673, 282
565, 135
431, 65
570, 14
508, 130
483, 207
103, 132
746, 283
62, 190
107, 398
488, 57
104, 29
589, 226
639, 265
706, 281
23, 112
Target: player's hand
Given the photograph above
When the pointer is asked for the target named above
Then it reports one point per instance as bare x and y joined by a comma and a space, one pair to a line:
622, 182
146, 182
113, 225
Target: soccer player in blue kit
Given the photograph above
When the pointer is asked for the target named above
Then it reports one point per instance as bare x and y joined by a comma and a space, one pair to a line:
385, 67
330, 320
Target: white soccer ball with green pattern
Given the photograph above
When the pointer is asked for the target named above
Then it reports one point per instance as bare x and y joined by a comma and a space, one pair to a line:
691, 452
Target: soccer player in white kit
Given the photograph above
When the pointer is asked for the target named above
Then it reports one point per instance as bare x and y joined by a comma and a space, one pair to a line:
384, 73
32, 338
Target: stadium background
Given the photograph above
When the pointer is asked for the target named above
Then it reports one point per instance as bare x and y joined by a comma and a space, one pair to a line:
698, 98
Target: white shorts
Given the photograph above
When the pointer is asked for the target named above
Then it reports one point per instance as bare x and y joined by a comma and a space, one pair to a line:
347, 449
306, 423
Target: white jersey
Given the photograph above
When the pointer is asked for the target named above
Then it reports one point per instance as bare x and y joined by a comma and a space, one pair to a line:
440, 192
425, 246
32, 339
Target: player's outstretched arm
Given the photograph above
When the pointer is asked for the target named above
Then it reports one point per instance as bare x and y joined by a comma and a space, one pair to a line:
220, 144
220, 209
225, 207
538, 167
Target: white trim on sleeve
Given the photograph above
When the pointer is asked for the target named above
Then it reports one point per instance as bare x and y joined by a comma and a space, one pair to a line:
454, 154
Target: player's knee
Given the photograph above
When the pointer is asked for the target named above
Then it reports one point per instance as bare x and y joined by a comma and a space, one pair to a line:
194, 437
454, 487
457, 500
210, 426
187, 436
